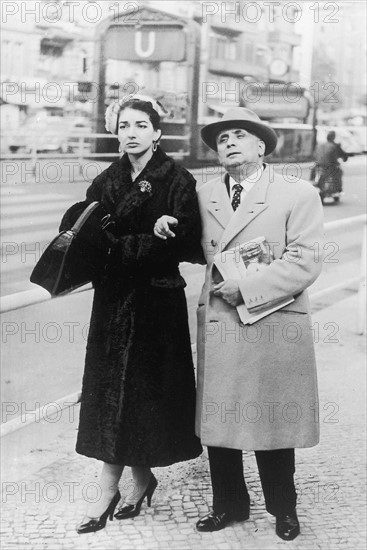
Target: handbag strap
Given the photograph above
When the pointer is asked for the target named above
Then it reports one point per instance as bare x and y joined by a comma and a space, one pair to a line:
83, 217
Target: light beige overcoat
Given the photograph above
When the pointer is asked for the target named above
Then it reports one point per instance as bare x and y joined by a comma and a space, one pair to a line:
257, 384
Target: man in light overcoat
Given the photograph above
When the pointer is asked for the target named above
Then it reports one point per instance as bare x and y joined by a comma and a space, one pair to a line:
257, 384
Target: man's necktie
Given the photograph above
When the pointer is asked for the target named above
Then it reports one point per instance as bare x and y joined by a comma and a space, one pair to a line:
237, 195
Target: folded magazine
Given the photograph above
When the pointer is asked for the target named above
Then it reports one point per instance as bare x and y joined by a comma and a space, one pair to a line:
244, 261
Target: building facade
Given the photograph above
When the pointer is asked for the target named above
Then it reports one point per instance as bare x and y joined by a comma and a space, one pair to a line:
49, 57
339, 53
45, 58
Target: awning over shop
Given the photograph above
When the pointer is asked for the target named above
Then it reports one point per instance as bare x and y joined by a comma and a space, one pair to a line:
57, 36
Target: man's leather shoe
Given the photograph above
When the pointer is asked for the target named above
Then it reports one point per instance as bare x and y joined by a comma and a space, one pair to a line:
287, 527
216, 522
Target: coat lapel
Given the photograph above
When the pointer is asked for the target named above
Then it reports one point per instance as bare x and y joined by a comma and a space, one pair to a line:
253, 204
219, 204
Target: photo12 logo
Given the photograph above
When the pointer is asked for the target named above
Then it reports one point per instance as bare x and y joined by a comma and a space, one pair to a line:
253, 12
71, 11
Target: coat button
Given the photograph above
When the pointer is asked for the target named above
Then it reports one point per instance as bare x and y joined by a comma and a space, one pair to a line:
213, 242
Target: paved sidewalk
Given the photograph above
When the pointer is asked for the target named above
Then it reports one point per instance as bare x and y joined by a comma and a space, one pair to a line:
44, 493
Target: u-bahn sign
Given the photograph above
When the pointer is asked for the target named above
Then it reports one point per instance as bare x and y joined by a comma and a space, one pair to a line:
146, 43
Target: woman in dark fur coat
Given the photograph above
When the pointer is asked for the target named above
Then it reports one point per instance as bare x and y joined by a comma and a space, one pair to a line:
138, 396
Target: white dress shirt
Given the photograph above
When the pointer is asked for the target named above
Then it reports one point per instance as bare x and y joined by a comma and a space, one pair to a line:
247, 183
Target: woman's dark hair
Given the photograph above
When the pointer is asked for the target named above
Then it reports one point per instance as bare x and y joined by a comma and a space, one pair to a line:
144, 106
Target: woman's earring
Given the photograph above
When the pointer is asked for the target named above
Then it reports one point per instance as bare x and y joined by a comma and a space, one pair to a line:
120, 148
155, 144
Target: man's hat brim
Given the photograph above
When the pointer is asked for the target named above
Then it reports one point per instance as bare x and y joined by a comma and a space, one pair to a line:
264, 132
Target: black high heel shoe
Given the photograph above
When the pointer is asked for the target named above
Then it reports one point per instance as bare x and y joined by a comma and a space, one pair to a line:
132, 510
96, 524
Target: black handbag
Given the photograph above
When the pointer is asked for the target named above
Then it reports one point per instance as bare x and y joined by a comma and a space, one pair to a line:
76, 256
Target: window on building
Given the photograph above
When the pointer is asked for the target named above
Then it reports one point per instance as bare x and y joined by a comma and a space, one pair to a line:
249, 52
261, 57
18, 53
6, 57
224, 47
51, 48
285, 52
232, 50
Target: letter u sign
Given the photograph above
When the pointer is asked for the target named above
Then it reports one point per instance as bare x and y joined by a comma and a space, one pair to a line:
148, 51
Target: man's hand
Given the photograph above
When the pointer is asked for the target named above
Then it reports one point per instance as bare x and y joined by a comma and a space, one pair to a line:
162, 227
229, 291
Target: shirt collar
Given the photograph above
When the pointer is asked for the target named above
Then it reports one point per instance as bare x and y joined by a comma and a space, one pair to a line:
249, 182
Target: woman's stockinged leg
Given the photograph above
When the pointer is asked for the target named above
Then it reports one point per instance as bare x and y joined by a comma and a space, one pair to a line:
143, 488
141, 476
108, 486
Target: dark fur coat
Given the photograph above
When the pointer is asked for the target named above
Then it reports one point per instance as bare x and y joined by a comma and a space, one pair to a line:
138, 396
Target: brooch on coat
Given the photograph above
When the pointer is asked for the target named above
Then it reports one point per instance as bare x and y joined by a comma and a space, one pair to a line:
145, 186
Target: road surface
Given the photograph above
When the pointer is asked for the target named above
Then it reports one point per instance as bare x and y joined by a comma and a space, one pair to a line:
43, 345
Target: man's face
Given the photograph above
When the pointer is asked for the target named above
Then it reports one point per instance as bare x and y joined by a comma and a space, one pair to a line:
237, 147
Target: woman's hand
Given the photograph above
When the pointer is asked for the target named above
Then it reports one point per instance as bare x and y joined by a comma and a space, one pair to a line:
162, 227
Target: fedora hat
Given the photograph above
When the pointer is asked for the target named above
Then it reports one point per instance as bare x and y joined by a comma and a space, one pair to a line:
240, 117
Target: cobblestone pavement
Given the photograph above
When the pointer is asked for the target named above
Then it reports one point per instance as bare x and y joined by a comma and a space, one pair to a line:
43, 503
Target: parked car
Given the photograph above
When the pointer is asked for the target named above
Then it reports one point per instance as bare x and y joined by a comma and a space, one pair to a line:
49, 134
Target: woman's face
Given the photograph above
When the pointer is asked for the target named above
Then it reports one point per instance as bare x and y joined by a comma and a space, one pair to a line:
135, 132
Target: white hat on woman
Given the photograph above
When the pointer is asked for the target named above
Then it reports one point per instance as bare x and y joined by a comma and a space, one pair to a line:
112, 111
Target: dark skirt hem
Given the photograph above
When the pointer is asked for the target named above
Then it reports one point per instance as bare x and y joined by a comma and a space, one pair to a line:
154, 464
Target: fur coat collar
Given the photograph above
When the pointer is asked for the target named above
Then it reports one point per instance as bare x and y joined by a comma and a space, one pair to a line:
124, 195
